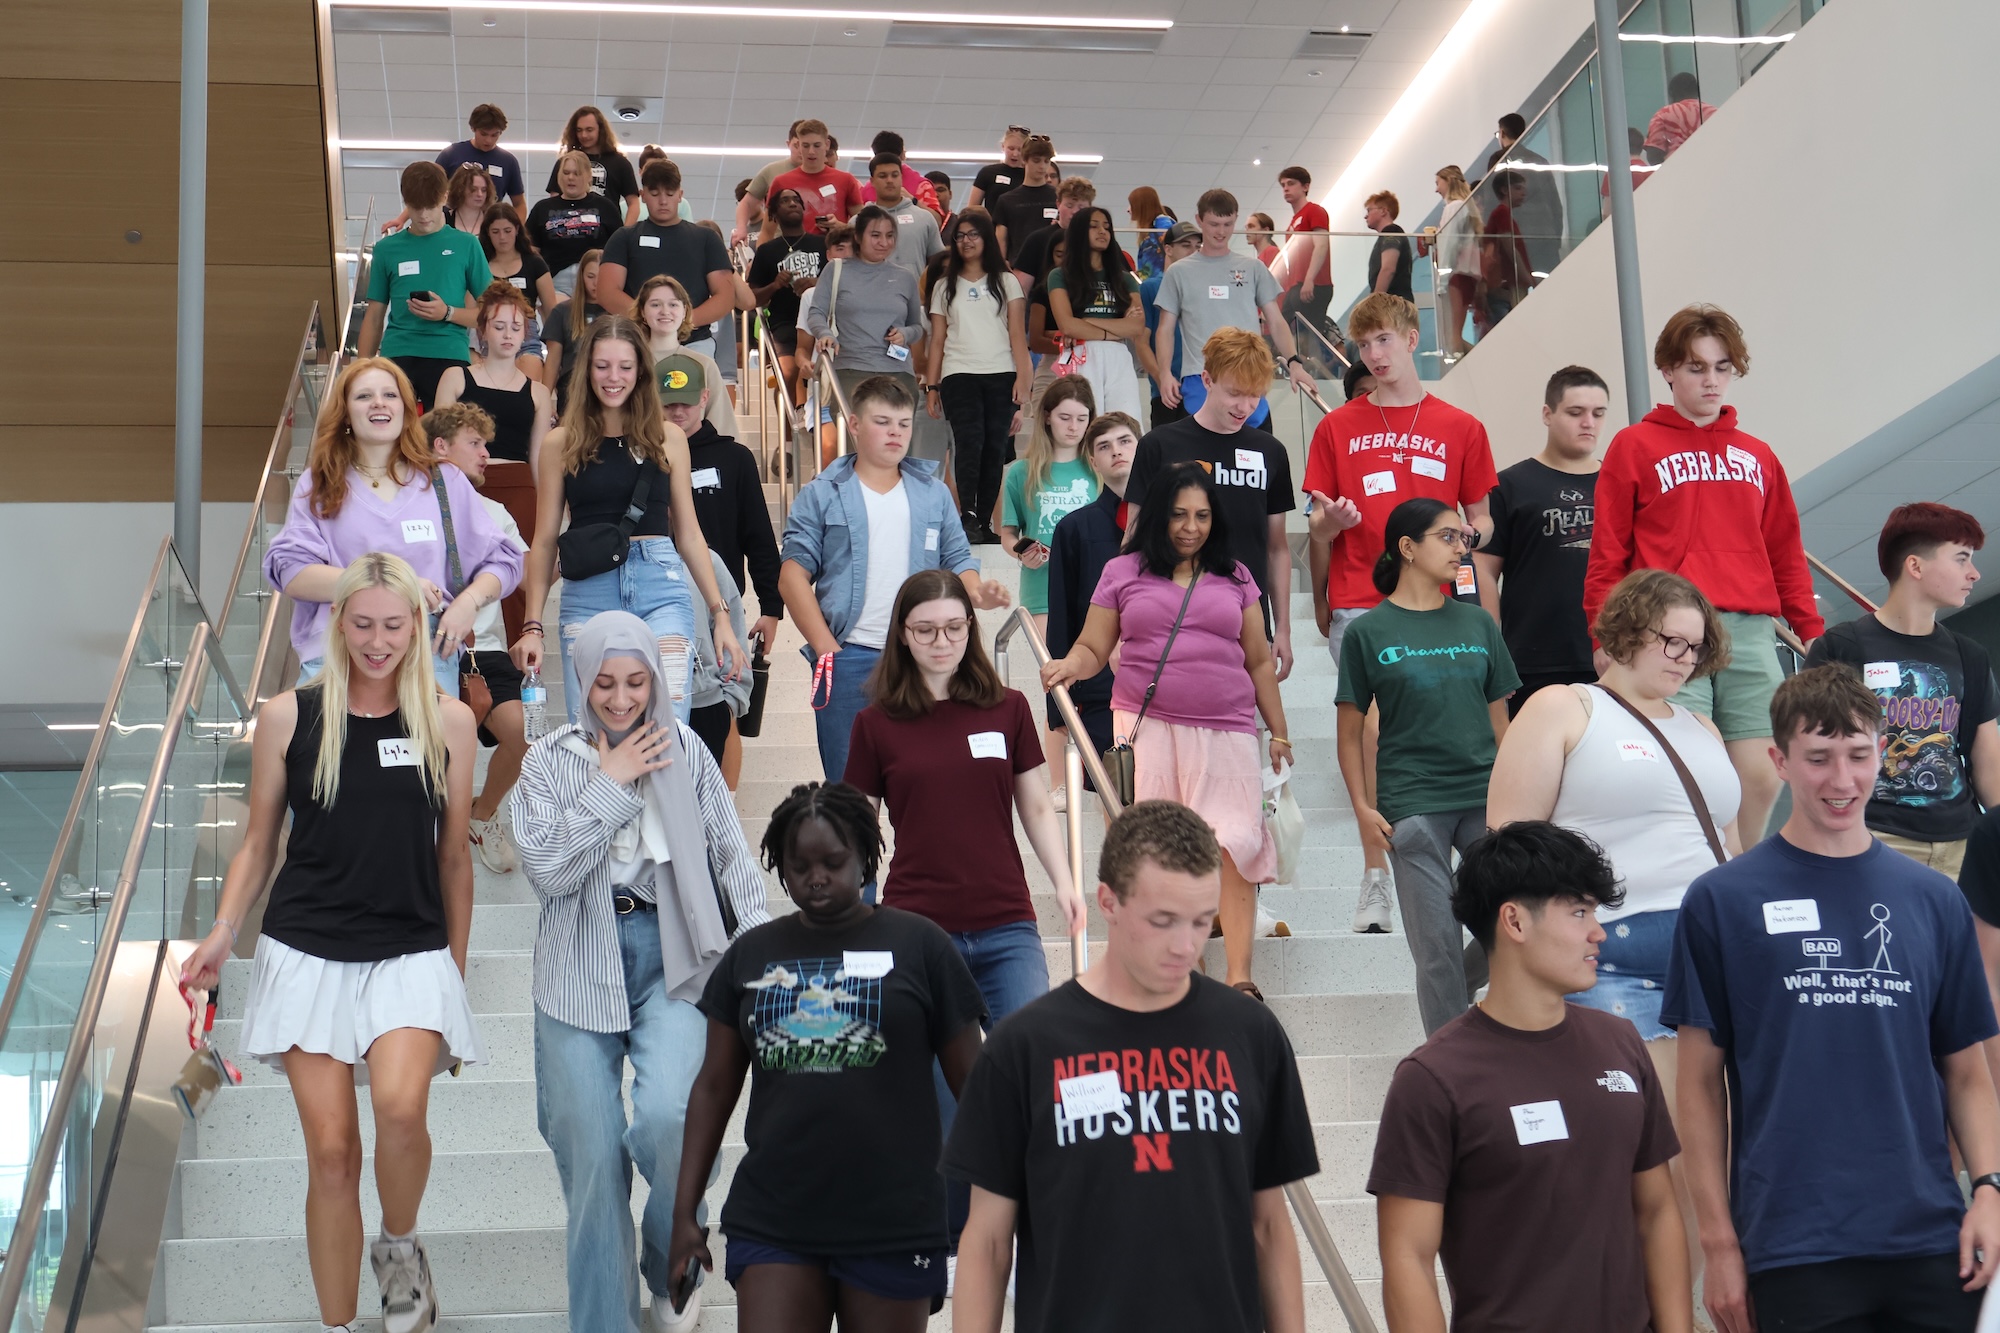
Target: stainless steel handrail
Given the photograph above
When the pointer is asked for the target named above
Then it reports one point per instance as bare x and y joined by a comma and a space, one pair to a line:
272, 458
1318, 1236
35, 1191
775, 413
1854, 594
826, 379
1301, 323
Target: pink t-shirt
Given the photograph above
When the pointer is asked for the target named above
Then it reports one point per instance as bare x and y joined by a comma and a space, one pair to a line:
1206, 683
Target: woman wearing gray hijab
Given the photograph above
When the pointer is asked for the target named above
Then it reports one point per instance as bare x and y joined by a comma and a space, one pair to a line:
629, 836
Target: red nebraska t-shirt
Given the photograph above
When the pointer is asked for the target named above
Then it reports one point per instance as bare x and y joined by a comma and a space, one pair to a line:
1379, 457
1311, 217
831, 196
948, 780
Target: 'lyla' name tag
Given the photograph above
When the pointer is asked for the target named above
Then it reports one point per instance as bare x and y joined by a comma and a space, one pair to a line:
988, 744
397, 753
1539, 1122
419, 530
867, 964
1089, 1095
1792, 916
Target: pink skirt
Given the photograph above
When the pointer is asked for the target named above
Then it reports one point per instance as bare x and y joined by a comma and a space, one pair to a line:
1216, 774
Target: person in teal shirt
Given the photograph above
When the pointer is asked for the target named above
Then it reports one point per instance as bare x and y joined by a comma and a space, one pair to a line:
424, 284
1051, 482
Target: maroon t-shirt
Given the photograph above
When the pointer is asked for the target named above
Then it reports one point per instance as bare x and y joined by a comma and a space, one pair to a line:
1530, 1141
948, 780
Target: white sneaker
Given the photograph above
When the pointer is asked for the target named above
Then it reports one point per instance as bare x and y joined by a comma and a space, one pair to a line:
660, 1316
950, 1276
489, 839
1371, 910
403, 1271
1061, 798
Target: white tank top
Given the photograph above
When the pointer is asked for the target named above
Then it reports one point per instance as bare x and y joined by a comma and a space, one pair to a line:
1622, 793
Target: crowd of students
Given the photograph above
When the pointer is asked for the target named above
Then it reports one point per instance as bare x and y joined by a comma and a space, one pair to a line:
1561, 724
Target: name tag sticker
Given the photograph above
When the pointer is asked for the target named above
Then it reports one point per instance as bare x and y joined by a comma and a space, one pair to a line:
1743, 458
826, 191
1219, 292
1633, 752
906, 219
1378, 483
650, 242
1049, 213
397, 753
1791, 917
1089, 1095
494, 169
419, 530
1427, 467
1539, 1122
519, 281
930, 539
1466, 581
988, 745
1250, 460
409, 268
706, 478
866, 964
998, 179
1882, 675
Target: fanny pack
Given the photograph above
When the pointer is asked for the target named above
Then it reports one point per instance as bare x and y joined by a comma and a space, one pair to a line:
599, 548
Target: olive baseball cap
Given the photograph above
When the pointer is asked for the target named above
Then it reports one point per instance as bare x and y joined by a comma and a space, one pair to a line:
680, 379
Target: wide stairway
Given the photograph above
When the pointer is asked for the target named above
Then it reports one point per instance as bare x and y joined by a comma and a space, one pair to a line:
493, 1216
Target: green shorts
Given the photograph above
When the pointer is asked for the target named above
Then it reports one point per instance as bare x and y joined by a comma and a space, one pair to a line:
1738, 699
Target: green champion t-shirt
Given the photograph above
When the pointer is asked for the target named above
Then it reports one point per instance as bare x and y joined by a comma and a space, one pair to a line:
1433, 673
1070, 486
449, 264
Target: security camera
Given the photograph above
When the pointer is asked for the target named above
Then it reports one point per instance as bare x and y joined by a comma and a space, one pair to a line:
630, 110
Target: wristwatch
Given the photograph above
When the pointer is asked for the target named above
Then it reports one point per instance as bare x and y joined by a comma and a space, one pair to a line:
1991, 1178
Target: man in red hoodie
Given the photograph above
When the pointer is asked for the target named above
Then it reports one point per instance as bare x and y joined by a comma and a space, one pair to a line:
1685, 490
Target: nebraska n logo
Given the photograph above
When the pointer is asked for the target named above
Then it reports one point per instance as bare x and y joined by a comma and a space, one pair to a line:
1149, 1153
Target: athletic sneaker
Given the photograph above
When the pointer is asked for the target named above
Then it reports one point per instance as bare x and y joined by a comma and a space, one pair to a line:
660, 1316
403, 1271
1371, 910
489, 839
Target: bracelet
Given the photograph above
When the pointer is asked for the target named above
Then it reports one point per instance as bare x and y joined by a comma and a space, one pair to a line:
225, 921
1280, 740
533, 629
531, 624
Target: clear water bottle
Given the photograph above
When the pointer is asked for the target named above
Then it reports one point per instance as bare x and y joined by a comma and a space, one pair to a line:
534, 706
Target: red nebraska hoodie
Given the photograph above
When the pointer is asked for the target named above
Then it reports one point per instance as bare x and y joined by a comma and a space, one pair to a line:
1711, 504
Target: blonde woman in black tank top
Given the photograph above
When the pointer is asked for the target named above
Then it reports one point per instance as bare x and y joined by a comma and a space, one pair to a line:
359, 973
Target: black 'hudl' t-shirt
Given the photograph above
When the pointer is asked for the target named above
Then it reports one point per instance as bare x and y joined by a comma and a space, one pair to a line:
360, 879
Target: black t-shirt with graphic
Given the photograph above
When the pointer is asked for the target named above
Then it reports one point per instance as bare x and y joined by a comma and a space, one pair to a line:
1936, 691
564, 230
1393, 240
795, 257
1251, 470
1542, 521
1026, 210
843, 1028
1140, 1217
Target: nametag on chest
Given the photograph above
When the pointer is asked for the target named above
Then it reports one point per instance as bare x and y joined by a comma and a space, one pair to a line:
1539, 1122
419, 530
867, 964
1089, 1095
397, 753
988, 745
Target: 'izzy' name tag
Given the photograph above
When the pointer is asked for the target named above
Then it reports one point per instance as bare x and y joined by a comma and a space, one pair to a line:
1539, 1122
419, 530
866, 964
1089, 1095
397, 753
1792, 916
988, 744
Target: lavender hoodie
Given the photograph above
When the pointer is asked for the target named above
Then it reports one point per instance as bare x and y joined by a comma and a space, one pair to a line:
406, 524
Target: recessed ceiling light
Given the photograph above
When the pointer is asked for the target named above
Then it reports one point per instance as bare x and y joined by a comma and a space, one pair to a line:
759, 12
1343, 27
489, 22
1256, 161
850, 32
1312, 73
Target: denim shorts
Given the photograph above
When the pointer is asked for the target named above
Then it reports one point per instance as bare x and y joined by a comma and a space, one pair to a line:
1632, 971
905, 1275
653, 585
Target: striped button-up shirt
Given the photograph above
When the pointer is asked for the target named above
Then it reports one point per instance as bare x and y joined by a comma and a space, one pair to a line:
565, 811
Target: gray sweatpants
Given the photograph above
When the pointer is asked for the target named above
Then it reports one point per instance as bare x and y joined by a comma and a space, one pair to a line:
1420, 848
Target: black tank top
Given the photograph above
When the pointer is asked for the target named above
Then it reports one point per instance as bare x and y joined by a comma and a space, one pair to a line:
602, 490
360, 880
513, 413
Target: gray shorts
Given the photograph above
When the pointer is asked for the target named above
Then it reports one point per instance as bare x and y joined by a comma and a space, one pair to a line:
1336, 629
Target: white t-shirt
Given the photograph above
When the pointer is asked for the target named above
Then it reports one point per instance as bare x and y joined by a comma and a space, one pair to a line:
489, 635
888, 563
976, 341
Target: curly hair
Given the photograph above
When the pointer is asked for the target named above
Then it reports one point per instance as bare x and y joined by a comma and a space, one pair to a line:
1166, 833
1636, 607
843, 808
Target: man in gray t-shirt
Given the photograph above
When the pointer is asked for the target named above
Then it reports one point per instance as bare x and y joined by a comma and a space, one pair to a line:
917, 236
1218, 288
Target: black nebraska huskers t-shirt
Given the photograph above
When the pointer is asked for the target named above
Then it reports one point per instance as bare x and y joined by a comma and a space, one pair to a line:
1140, 1217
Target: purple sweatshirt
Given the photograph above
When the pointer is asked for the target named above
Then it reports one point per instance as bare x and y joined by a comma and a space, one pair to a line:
407, 524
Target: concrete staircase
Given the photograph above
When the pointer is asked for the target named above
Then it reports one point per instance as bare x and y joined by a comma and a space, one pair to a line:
493, 1216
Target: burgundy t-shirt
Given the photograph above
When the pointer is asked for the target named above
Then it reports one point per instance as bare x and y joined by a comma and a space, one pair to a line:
948, 780
1530, 1141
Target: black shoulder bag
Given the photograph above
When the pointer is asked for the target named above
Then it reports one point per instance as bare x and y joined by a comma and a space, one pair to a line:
599, 548
1119, 760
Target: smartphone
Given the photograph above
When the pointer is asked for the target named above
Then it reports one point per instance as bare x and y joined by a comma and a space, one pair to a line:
1023, 546
421, 296
684, 1285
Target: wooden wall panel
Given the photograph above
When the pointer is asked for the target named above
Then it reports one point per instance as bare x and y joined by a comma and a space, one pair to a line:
250, 41
90, 187
124, 463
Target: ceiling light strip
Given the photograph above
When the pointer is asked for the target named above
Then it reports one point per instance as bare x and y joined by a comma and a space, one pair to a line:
764, 12
1668, 39
686, 150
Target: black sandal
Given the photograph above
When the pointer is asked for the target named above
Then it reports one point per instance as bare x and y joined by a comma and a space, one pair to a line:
1249, 988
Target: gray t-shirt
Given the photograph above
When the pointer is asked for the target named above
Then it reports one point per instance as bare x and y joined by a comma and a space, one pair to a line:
916, 236
1207, 294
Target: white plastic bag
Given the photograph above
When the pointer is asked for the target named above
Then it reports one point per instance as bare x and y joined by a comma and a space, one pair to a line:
1285, 821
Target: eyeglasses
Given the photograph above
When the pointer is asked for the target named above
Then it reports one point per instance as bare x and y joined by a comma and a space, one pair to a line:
1458, 539
964, 236
1677, 649
954, 631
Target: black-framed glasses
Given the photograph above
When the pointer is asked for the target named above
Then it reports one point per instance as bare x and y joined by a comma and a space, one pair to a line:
967, 235
1458, 539
954, 631
1678, 649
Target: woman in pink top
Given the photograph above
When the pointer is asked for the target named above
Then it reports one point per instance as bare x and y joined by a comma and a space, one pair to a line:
368, 487
1197, 741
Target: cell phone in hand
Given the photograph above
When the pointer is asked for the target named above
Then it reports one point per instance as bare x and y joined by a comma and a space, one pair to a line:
422, 296
684, 1285
1025, 545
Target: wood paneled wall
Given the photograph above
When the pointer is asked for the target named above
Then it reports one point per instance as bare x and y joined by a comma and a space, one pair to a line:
90, 111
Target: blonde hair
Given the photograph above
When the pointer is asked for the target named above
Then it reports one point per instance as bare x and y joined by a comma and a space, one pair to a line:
583, 419
333, 448
416, 687
673, 284
1041, 454
1378, 311
1454, 183
583, 160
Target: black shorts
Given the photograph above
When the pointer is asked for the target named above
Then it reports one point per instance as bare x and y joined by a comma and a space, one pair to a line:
785, 340
503, 682
1866, 1294
424, 373
711, 723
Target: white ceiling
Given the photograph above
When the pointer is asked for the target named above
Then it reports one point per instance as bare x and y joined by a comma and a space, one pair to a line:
1220, 92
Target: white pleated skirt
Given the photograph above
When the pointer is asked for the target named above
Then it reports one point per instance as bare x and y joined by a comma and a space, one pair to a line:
339, 1009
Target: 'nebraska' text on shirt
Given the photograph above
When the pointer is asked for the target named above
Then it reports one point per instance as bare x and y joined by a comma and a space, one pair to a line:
1701, 465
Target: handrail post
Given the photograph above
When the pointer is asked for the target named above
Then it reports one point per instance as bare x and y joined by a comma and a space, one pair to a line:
1079, 937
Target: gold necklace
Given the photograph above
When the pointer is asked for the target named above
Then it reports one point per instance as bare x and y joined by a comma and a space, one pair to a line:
375, 479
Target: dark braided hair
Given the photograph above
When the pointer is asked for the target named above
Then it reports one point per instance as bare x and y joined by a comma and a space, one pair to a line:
841, 806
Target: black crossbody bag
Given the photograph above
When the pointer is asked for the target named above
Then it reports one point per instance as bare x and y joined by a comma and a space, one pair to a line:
599, 548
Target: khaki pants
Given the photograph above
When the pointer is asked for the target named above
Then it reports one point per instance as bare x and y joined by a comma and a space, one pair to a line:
1944, 857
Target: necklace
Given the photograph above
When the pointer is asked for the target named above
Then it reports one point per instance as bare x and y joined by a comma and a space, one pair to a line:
1391, 430
375, 478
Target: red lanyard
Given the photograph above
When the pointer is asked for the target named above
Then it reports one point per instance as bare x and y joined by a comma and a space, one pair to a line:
201, 1022
822, 671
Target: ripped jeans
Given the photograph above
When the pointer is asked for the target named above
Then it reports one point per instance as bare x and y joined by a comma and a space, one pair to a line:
653, 585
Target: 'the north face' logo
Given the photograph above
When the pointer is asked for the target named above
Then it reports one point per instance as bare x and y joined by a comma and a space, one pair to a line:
1617, 1080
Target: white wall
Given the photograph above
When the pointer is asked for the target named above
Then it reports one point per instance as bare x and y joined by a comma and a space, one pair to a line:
1837, 205
76, 573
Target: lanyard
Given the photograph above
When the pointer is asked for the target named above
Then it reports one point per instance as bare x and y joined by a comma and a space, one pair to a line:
201, 1022
822, 671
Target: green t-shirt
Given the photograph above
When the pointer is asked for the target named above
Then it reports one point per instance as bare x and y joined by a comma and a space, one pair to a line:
1433, 673
1102, 303
448, 264
1070, 486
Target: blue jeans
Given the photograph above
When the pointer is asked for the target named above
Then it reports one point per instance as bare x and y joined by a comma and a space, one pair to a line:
852, 666
653, 585
446, 673
1013, 972
1632, 971
1194, 393
581, 1114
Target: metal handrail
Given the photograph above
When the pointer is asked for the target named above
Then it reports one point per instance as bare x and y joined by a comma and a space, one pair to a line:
1078, 758
775, 412
35, 1191
825, 378
1300, 322
272, 458
1854, 594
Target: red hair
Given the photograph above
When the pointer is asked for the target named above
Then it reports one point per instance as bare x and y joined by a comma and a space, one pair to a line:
1919, 529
